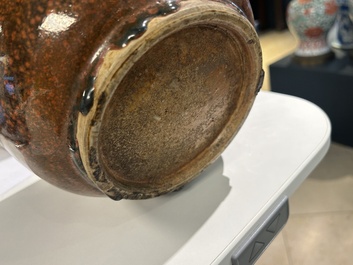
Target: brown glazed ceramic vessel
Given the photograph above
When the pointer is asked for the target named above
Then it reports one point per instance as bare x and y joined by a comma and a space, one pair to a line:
131, 99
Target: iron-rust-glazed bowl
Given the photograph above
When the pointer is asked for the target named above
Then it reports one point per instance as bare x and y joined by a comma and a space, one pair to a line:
131, 99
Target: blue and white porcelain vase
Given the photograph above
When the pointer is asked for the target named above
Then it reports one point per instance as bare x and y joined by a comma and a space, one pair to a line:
343, 37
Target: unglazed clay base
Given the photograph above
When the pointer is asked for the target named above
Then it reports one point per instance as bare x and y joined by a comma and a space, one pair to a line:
166, 105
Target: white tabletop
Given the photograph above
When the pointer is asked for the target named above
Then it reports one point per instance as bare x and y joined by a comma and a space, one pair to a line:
281, 142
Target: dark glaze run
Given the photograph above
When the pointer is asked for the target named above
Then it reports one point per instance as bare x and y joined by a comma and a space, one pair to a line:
136, 29
88, 97
45, 73
130, 32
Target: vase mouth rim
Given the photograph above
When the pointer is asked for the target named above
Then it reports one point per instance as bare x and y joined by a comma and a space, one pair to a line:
193, 17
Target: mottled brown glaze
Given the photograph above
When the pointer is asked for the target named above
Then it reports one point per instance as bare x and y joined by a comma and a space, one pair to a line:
50, 55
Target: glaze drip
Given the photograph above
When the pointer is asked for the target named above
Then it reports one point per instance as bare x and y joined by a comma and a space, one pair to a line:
132, 32
88, 97
140, 25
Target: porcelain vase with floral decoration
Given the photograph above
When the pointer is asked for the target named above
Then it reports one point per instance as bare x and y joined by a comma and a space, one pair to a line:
310, 21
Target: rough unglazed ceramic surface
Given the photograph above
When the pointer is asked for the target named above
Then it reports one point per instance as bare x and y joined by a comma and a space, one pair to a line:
131, 99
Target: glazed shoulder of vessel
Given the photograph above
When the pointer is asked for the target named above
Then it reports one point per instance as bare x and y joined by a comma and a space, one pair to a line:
131, 99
